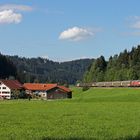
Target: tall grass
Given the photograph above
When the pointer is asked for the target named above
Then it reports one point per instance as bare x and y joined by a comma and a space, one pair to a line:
100, 114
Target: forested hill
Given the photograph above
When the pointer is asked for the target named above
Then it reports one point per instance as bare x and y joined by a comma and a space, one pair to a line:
125, 66
7, 68
44, 70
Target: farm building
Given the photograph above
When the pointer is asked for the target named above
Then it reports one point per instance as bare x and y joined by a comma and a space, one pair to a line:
48, 91
8, 87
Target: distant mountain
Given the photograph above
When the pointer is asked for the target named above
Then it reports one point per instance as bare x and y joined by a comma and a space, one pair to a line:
44, 70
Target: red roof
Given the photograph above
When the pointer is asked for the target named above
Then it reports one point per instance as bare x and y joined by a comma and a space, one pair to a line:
38, 86
12, 84
64, 88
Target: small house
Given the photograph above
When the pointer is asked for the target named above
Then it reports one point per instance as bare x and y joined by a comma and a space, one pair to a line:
8, 87
48, 91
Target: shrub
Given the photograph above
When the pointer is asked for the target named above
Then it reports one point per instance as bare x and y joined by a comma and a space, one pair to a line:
85, 88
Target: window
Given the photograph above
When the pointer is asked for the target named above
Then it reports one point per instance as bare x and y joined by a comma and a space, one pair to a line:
5, 92
4, 88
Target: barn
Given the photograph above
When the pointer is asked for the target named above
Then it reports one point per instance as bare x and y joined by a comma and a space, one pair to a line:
48, 91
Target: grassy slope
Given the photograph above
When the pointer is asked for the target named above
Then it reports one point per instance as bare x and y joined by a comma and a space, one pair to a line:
108, 94
93, 114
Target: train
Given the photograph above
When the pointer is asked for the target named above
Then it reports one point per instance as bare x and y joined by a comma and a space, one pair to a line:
129, 83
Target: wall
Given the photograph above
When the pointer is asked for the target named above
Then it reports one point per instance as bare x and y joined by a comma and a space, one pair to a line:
56, 93
5, 93
42, 94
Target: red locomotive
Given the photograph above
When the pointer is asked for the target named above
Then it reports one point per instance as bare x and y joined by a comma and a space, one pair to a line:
135, 83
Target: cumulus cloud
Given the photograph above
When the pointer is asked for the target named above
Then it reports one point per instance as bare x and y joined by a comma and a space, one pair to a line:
8, 16
75, 34
9, 13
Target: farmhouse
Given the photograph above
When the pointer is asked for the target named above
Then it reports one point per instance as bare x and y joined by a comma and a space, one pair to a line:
8, 87
48, 91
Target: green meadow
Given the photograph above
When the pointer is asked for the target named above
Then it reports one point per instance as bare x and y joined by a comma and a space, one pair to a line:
95, 114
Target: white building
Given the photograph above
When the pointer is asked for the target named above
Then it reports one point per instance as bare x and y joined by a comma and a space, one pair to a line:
7, 87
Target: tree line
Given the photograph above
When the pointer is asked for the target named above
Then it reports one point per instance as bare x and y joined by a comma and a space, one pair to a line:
7, 68
125, 66
44, 70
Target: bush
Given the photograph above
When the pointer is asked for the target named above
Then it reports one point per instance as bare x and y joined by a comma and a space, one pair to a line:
85, 88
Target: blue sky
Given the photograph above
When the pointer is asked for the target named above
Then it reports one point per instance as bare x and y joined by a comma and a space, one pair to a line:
63, 30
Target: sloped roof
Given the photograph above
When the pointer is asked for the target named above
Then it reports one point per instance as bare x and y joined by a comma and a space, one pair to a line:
12, 84
64, 88
38, 86
46, 87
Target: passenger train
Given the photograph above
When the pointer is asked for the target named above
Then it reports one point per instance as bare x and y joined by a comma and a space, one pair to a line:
130, 83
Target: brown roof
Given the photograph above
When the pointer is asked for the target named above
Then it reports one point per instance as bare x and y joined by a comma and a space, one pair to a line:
38, 86
12, 84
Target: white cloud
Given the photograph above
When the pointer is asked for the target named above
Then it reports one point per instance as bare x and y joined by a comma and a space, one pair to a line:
75, 34
9, 16
9, 13
15, 7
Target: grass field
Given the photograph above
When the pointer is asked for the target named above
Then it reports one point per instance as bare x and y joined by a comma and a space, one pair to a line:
96, 114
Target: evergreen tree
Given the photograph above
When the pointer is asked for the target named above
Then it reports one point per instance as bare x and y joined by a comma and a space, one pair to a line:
125, 66
7, 68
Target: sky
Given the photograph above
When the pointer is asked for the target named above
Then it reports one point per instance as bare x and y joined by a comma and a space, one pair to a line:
64, 30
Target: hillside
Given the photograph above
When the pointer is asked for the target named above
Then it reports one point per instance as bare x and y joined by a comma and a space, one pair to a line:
107, 94
44, 70
125, 66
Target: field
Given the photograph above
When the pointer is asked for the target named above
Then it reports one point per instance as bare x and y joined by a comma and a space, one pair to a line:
96, 114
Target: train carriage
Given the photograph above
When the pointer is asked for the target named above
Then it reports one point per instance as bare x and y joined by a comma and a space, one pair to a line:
108, 84
129, 83
125, 83
116, 83
100, 84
